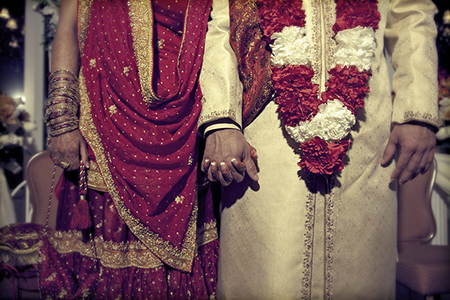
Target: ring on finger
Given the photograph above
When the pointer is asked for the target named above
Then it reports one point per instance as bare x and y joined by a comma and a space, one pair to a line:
64, 164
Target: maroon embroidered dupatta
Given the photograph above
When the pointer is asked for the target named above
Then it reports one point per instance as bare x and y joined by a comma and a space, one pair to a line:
144, 143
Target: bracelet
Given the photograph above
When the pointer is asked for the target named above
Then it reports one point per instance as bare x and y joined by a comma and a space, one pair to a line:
61, 71
61, 112
64, 130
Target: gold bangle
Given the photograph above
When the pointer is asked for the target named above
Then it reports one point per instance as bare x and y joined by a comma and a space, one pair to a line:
61, 71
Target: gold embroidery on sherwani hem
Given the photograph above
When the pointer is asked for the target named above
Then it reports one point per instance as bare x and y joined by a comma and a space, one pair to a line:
180, 259
84, 14
421, 117
329, 247
309, 246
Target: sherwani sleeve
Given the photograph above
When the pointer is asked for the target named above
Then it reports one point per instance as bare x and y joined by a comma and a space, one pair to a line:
219, 78
410, 41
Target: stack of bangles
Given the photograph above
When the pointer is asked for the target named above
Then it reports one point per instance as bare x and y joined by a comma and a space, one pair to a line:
61, 113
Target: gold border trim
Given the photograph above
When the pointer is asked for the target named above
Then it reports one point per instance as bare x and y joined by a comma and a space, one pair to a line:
84, 16
141, 21
329, 245
111, 255
119, 255
179, 259
207, 233
95, 179
309, 246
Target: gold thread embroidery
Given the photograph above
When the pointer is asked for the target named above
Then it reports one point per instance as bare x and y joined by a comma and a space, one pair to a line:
323, 16
421, 117
111, 255
112, 110
51, 277
140, 17
95, 178
161, 43
126, 71
309, 245
217, 115
92, 63
141, 20
84, 14
329, 243
179, 199
207, 233
180, 259
120, 255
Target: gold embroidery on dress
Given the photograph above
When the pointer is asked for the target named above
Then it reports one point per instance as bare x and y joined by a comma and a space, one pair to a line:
95, 179
161, 43
51, 277
207, 233
126, 71
119, 255
309, 246
180, 259
190, 161
111, 255
63, 294
92, 63
179, 199
112, 110
141, 20
84, 14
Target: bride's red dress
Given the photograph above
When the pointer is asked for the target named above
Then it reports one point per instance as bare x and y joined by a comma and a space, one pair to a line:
152, 232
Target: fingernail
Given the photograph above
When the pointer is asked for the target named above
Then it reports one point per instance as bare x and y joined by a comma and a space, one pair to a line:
233, 160
223, 167
206, 161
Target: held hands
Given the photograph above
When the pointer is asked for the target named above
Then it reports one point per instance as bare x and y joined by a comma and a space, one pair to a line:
67, 149
415, 145
228, 157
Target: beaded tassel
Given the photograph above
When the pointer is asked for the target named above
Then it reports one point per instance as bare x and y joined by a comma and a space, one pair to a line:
81, 216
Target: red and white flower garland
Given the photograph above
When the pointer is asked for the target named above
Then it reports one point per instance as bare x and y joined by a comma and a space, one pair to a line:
320, 123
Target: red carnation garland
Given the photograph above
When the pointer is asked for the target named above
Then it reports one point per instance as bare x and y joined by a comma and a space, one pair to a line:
296, 95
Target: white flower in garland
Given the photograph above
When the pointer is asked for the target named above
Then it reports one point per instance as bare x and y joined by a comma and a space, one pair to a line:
355, 47
332, 123
290, 47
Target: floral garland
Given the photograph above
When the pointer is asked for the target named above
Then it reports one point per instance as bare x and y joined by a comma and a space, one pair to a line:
320, 123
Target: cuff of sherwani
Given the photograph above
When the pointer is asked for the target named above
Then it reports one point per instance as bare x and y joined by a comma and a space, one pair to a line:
218, 125
430, 125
